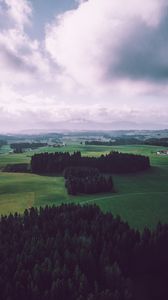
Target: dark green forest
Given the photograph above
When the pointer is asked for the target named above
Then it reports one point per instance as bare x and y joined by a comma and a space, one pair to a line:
130, 141
113, 162
115, 142
86, 180
20, 147
79, 253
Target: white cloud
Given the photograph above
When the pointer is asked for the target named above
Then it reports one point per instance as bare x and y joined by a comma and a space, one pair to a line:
65, 77
84, 41
19, 11
24, 63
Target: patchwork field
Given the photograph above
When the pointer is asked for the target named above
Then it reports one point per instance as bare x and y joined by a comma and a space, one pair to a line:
141, 199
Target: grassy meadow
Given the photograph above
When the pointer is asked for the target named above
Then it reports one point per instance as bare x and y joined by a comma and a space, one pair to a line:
141, 198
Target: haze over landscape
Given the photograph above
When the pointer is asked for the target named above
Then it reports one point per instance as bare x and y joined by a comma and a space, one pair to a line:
83, 65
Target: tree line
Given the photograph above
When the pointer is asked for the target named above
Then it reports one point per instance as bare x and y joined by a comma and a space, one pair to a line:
130, 141
19, 147
86, 180
163, 142
117, 141
17, 168
80, 253
114, 162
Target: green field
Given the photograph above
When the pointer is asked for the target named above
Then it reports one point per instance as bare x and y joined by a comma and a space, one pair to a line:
141, 198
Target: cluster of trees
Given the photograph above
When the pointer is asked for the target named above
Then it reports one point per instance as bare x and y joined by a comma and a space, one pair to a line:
81, 172
20, 147
79, 253
86, 180
109, 163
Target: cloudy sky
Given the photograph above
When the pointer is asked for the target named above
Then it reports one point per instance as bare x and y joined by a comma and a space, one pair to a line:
96, 63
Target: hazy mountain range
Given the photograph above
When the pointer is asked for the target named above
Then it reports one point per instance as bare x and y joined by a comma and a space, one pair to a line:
83, 124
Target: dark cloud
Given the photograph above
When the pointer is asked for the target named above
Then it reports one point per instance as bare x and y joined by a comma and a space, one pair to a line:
13, 61
143, 54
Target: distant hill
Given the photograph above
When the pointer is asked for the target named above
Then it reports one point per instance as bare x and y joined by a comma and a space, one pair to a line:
88, 125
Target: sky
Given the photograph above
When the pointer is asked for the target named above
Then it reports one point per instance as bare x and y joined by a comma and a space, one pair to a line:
95, 64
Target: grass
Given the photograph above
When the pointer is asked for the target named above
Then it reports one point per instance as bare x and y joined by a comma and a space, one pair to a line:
39, 190
139, 210
87, 150
141, 198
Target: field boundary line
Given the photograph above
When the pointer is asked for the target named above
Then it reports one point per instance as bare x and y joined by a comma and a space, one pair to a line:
121, 195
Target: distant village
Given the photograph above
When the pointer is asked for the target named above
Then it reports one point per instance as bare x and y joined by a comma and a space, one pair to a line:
162, 152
